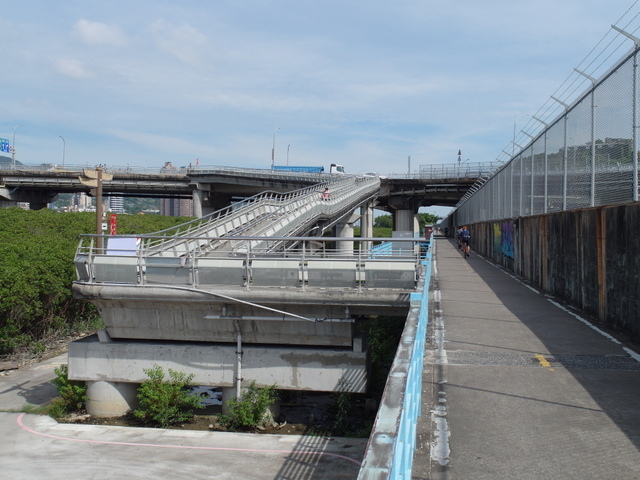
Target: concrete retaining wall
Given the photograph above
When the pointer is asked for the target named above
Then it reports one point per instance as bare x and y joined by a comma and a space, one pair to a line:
590, 258
289, 368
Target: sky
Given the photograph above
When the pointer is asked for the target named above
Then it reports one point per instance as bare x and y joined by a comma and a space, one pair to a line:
366, 84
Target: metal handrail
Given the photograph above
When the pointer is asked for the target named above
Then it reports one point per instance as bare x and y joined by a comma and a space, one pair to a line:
258, 214
130, 265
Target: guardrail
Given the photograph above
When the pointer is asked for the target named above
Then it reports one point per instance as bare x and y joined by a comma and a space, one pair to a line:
450, 170
389, 453
125, 260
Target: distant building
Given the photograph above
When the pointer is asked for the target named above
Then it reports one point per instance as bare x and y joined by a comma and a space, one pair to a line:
78, 202
116, 204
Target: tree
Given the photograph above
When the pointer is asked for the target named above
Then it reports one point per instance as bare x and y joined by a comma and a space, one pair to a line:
383, 221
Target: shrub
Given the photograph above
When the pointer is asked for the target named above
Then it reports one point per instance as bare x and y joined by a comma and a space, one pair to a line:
166, 402
72, 394
250, 410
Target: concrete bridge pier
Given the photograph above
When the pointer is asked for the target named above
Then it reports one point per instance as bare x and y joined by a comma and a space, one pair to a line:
345, 230
206, 201
197, 196
36, 200
366, 224
405, 221
110, 399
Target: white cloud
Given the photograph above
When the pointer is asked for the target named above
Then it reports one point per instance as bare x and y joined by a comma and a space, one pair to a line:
72, 68
182, 41
98, 33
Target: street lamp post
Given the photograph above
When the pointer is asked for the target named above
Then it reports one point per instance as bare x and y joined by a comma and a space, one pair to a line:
64, 149
13, 148
513, 148
273, 149
288, 146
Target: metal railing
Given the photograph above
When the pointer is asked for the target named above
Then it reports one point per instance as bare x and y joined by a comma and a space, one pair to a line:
462, 170
267, 215
391, 447
315, 263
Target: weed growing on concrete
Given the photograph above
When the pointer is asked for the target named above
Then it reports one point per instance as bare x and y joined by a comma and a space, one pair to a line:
72, 394
166, 402
250, 410
343, 409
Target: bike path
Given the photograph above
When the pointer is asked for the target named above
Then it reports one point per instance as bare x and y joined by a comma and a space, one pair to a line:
518, 386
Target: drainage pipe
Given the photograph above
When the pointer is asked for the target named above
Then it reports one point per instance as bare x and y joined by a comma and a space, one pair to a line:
238, 360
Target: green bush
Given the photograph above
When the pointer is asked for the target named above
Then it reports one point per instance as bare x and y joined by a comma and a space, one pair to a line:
250, 410
72, 393
37, 249
166, 402
343, 409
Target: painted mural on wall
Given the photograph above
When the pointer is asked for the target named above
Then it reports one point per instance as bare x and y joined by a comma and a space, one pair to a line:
507, 239
497, 240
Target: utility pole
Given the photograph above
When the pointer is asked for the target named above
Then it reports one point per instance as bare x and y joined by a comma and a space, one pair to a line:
93, 179
99, 209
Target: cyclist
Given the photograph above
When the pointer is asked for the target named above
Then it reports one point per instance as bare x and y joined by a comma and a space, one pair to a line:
465, 236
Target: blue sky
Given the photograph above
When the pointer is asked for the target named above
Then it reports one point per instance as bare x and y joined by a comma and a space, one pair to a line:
361, 83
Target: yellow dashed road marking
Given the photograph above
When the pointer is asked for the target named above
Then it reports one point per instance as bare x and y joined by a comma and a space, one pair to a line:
544, 362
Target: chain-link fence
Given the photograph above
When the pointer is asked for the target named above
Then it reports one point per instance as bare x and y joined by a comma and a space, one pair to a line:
586, 157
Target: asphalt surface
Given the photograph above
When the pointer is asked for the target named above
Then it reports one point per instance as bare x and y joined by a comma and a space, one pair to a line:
34, 447
517, 386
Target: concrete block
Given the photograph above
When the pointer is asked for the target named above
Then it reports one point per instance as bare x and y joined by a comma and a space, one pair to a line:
288, 368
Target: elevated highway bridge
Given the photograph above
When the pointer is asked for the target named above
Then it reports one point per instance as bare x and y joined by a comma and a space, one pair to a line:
213, 188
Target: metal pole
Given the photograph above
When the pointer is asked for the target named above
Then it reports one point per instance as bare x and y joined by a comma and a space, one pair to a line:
99, 210
565, 160
238, 360
513, 153
64, 148
288, 146
636, 41
13, 148
593, 147
546, 164
592, 199
634, 151
273, 149
565, 154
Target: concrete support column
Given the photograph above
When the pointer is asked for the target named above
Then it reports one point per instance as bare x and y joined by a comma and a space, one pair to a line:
110, 399
405, 221
37, 205
366, 225
345, 230
196, 195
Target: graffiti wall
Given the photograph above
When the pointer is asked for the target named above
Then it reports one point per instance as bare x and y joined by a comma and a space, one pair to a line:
507, 239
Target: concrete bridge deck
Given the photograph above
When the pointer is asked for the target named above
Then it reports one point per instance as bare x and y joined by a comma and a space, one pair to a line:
518, 386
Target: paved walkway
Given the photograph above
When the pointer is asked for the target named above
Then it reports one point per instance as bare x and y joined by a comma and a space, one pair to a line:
518, 387
34, 447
